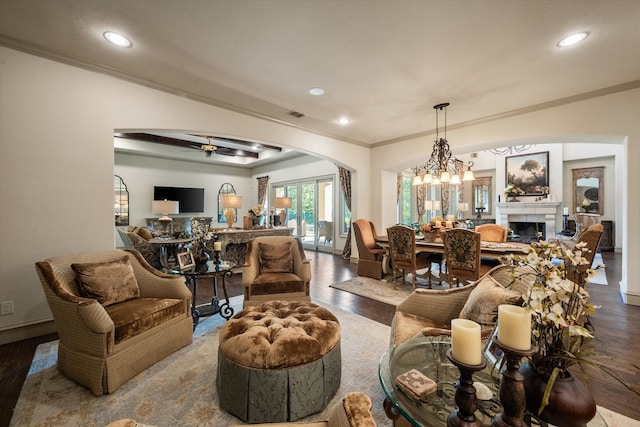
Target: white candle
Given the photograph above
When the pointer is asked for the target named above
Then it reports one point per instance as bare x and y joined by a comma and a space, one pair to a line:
465, 341
217, 246
449, 224
514, 326
451, 218
565, 211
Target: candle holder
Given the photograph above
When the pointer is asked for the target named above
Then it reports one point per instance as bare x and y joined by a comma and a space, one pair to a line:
217, 260
465, 396
511, 388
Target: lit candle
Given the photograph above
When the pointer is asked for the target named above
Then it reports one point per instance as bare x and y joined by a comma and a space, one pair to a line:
217, 246
514, 326
465, 341
565, 211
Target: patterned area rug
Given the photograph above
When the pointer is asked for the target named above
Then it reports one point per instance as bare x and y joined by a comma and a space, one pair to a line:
180, 390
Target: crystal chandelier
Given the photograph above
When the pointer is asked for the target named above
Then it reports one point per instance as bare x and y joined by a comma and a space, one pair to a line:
441, 166
510, 150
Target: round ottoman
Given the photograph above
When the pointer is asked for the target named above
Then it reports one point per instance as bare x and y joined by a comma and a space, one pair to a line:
279, 361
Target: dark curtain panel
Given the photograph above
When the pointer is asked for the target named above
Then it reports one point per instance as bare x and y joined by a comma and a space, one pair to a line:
345, 185
421, 197
263, 181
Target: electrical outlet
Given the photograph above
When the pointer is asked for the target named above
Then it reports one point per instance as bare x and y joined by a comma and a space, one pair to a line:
6, 307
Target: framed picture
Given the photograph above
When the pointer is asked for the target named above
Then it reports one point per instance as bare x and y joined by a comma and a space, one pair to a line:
185, 260
492, 352
529, 173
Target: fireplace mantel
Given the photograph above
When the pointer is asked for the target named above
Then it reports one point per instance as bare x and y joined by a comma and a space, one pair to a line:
542, 211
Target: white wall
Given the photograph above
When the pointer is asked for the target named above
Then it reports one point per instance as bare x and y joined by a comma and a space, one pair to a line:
57, 163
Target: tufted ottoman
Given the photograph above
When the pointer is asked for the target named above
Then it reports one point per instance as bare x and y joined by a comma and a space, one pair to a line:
278, 361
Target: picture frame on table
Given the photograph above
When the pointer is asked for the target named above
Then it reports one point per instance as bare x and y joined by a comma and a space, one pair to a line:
529, 173
185, 260
492, 352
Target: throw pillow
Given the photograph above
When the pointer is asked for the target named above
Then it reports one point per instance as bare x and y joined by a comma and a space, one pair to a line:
108, 282
275, 257
145, 233
482, 304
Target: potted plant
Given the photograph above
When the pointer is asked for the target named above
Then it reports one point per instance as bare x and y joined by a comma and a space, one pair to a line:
560, 310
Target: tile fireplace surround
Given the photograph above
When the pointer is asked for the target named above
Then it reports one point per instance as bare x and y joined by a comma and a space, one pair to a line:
542, 211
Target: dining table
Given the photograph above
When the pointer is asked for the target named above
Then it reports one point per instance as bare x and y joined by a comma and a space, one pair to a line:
491, 250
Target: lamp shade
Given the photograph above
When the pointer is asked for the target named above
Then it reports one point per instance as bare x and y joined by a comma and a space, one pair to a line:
165, 207
282, 202
428, 205
463, 207
436, 205
230, 201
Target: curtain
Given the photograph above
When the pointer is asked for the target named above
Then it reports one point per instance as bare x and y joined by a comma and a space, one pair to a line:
421, 196
345, 185
262, 189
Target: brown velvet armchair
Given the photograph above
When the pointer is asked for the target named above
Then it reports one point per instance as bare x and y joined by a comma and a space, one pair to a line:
275, 268
370, 254
115, 315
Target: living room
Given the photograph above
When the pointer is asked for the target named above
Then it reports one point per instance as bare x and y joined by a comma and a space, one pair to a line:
58, 161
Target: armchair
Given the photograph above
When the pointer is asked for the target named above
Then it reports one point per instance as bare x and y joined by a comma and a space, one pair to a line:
430, 311
115, 315
592, 237
276, 268
370, 255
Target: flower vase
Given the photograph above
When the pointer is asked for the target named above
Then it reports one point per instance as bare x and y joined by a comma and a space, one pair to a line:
257, 220
571, 404
201, 258
512, 198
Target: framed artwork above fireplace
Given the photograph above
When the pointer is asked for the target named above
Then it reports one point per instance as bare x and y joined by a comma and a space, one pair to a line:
529, 173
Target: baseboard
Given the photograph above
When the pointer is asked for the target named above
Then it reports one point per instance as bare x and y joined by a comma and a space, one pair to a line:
29, 331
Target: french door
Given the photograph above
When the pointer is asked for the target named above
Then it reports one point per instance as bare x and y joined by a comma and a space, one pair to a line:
312, 211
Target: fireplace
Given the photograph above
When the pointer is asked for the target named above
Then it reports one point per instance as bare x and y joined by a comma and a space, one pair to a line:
527, 231
543, 213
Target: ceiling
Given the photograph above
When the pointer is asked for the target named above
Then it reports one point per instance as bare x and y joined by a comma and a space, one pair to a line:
384, 64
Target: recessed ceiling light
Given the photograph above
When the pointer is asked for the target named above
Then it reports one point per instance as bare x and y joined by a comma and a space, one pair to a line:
573, 39
117, 39
316, 91
344, 121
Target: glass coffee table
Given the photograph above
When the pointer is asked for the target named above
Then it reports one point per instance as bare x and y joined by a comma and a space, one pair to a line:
215, 272
429, 356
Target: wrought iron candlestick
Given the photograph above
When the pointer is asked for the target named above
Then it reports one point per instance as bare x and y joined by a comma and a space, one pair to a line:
217, 260
465, 396
511, 388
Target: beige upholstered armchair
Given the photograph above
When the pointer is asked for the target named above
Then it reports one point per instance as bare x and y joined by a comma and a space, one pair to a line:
276, 268
115, 315
353, 410
370, 254
430, 311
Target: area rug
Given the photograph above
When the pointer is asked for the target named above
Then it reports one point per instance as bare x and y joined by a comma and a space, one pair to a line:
600, 278
180, 390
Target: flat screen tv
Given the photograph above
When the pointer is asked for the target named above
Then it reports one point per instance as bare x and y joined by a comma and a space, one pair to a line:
190, 199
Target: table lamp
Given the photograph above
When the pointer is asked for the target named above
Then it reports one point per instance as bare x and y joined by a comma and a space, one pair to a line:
283, 203
462, 207
230, 202
166, 208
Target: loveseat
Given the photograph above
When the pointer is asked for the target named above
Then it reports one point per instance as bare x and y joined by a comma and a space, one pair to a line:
115, 315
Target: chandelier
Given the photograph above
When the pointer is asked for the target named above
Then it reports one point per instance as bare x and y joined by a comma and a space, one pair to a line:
510, 150
441, 167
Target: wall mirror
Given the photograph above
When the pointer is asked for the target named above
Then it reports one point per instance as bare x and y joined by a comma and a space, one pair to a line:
225, 188
482, 195
588, 188
120, 201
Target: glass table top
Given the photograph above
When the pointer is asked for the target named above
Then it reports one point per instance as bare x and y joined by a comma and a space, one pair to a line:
429, 356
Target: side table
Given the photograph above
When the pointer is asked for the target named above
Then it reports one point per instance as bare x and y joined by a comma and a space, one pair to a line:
213, 271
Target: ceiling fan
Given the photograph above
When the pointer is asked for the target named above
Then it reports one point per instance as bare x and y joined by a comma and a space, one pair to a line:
208, 148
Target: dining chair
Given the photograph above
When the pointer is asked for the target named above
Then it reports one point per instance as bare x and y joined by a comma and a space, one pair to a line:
592, 237
404, 256
370, 254
462, 256
492, 232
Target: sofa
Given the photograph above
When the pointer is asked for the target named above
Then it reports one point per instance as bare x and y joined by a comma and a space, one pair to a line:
115, 315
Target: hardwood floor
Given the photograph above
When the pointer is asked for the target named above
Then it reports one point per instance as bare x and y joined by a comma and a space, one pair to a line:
617, 332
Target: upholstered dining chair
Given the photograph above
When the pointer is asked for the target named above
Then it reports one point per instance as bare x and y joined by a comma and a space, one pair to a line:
462, 256
275, 268
405, 258
370, 254
492, 232
592, 237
